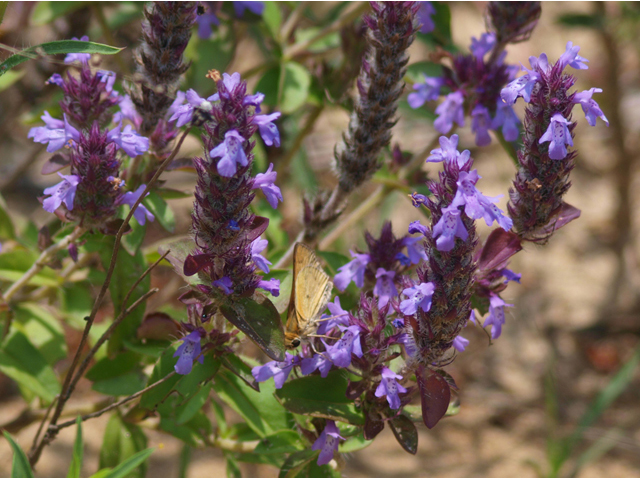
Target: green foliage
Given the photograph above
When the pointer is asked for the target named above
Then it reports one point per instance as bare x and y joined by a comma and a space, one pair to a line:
75, 469
20, 467
161, 210
55, 48
122, 441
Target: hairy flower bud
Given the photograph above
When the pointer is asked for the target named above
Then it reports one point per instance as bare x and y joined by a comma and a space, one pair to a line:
512, 22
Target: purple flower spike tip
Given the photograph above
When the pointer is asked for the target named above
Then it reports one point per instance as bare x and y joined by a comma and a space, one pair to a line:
559, 136
448, 152
570, 57
390, 388
65, 191
479, 48
419, 297
188, 352
327, 442
231, 154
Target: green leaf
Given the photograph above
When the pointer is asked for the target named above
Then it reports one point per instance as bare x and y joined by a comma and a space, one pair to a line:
285, 441
20, 467
233, 469
6, 81
295, 87
43, 330
261, 411
320, 397
132, 241
415, 71
187, 411
304, 465
161, 210
193, 433
272, 18
55, 48
405, 432
113, 367
75, 470
582, 20
130, 464
45, 12
21, 361
165, 365
260, 321
122, 385
240, 369
185, 459
14, 264
334, 260
127, 270
123, 442
7, 230
354, 444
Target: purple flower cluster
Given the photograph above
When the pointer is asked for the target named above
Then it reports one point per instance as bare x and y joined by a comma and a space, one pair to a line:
92, 191
226, 232
545, 161
474, 85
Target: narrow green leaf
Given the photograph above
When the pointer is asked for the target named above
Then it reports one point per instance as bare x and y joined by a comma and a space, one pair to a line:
132, 241
272, 18
296, 462
193, 406
7, 230
20, 467
354, 444
122, 442
127, 384
9, 79
161, 210
582, 20
320, 397
78, 452
233, 469
55, 48
285, 441
3, 9
130, 464
185, 459
43, 329
295, 87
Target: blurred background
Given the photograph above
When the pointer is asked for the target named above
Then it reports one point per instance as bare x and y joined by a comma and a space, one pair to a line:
569, 351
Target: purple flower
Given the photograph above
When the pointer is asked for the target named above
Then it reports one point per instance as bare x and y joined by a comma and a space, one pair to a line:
384, 288
339, 316
398, 322
141, 214
55, 79
590, 107
188, 352
390, 387
204, 22
78, 57
184, 113
231, 153
230, 83
476, 205
317, 362
177, 103
449, 227
258, 246
108, 78
448, 152
496, 315
522, 86
415, 249
479, 48
510, 276
272, 286
419, 296
128, 140
278, 370
254, 7
340, 352
450, 111
507, 119
417, 227
559, 136
65, 191
128, 111
268, 130
327, 443
429, 90
225, 284
56, 133
480, 124
460, 343
409, 343
570, 57
425, 12
418, 199
266, 182
354, 270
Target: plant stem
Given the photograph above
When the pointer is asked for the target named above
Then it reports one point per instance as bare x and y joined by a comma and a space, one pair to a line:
41, 262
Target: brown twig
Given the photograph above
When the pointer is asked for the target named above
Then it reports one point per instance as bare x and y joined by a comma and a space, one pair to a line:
66, 391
